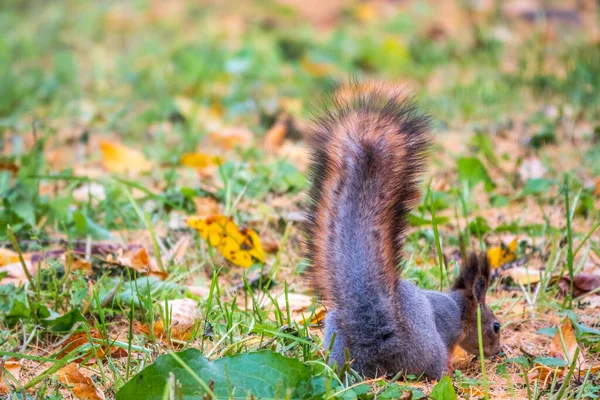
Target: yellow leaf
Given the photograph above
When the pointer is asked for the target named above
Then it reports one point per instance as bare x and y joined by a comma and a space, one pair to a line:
500, 255
119, 159
199, 160
240, 246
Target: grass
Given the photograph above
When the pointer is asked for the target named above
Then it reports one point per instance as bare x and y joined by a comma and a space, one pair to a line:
516, 113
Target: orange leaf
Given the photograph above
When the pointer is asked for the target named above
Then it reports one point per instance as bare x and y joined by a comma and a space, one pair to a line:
14, 368
276, 135
240, 246
229, 138
119, 159
82, 386
8, 257
565, 348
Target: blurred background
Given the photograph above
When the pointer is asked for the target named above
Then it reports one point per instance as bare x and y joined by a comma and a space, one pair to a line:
174, 76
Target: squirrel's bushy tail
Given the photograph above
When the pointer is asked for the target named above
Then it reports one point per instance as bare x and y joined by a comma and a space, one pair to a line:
368, 151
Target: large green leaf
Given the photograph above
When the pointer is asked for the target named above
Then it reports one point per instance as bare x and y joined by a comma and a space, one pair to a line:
263, 374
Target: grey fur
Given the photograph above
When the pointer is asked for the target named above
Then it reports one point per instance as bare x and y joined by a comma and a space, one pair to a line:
417, 343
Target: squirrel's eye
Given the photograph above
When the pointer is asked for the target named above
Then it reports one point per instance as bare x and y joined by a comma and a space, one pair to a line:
496, 327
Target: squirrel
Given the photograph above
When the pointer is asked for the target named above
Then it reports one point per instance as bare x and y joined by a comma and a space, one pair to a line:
368, 149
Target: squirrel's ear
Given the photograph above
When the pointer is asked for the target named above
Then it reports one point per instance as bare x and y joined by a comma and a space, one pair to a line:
468, 273
479, 289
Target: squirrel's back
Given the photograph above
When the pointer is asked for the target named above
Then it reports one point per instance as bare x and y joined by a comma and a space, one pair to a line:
368, 151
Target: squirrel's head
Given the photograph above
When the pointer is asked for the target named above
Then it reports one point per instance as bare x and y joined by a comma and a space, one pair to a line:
473, 282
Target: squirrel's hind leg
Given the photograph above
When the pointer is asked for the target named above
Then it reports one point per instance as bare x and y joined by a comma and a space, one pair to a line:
337, 354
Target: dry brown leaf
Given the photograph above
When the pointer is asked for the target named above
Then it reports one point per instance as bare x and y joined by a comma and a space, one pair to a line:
15, 273
140, 261
597, 187
9, 166
14, 368
582, 284
566, 352
178, 251
120, 159
183, 315
206, 207
82, 386
229, 138
276, 135
563, 346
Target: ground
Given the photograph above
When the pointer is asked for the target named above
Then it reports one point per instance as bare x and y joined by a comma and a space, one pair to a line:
153, 158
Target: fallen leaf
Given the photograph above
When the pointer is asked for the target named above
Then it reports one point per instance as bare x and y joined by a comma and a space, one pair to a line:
82, 386
199, 160
524, 275
139, 260
178, 251
240, 246
500, 255
120, 159
14, 368
183, 314
206, 207
79, 339
15, 273
8, 256
563, 346
9, 166
582, 284
229, 138
276, 135
271, 247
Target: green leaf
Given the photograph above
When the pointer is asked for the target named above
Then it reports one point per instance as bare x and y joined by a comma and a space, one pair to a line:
548, 331
443, 390
536, 186
85, 226
263, 374
472, 171
64, 323
551, 361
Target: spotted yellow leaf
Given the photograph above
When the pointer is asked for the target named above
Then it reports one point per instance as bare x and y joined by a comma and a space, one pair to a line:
500, 255
240, 246
199, 160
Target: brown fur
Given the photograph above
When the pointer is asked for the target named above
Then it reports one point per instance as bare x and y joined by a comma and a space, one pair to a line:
362, 118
